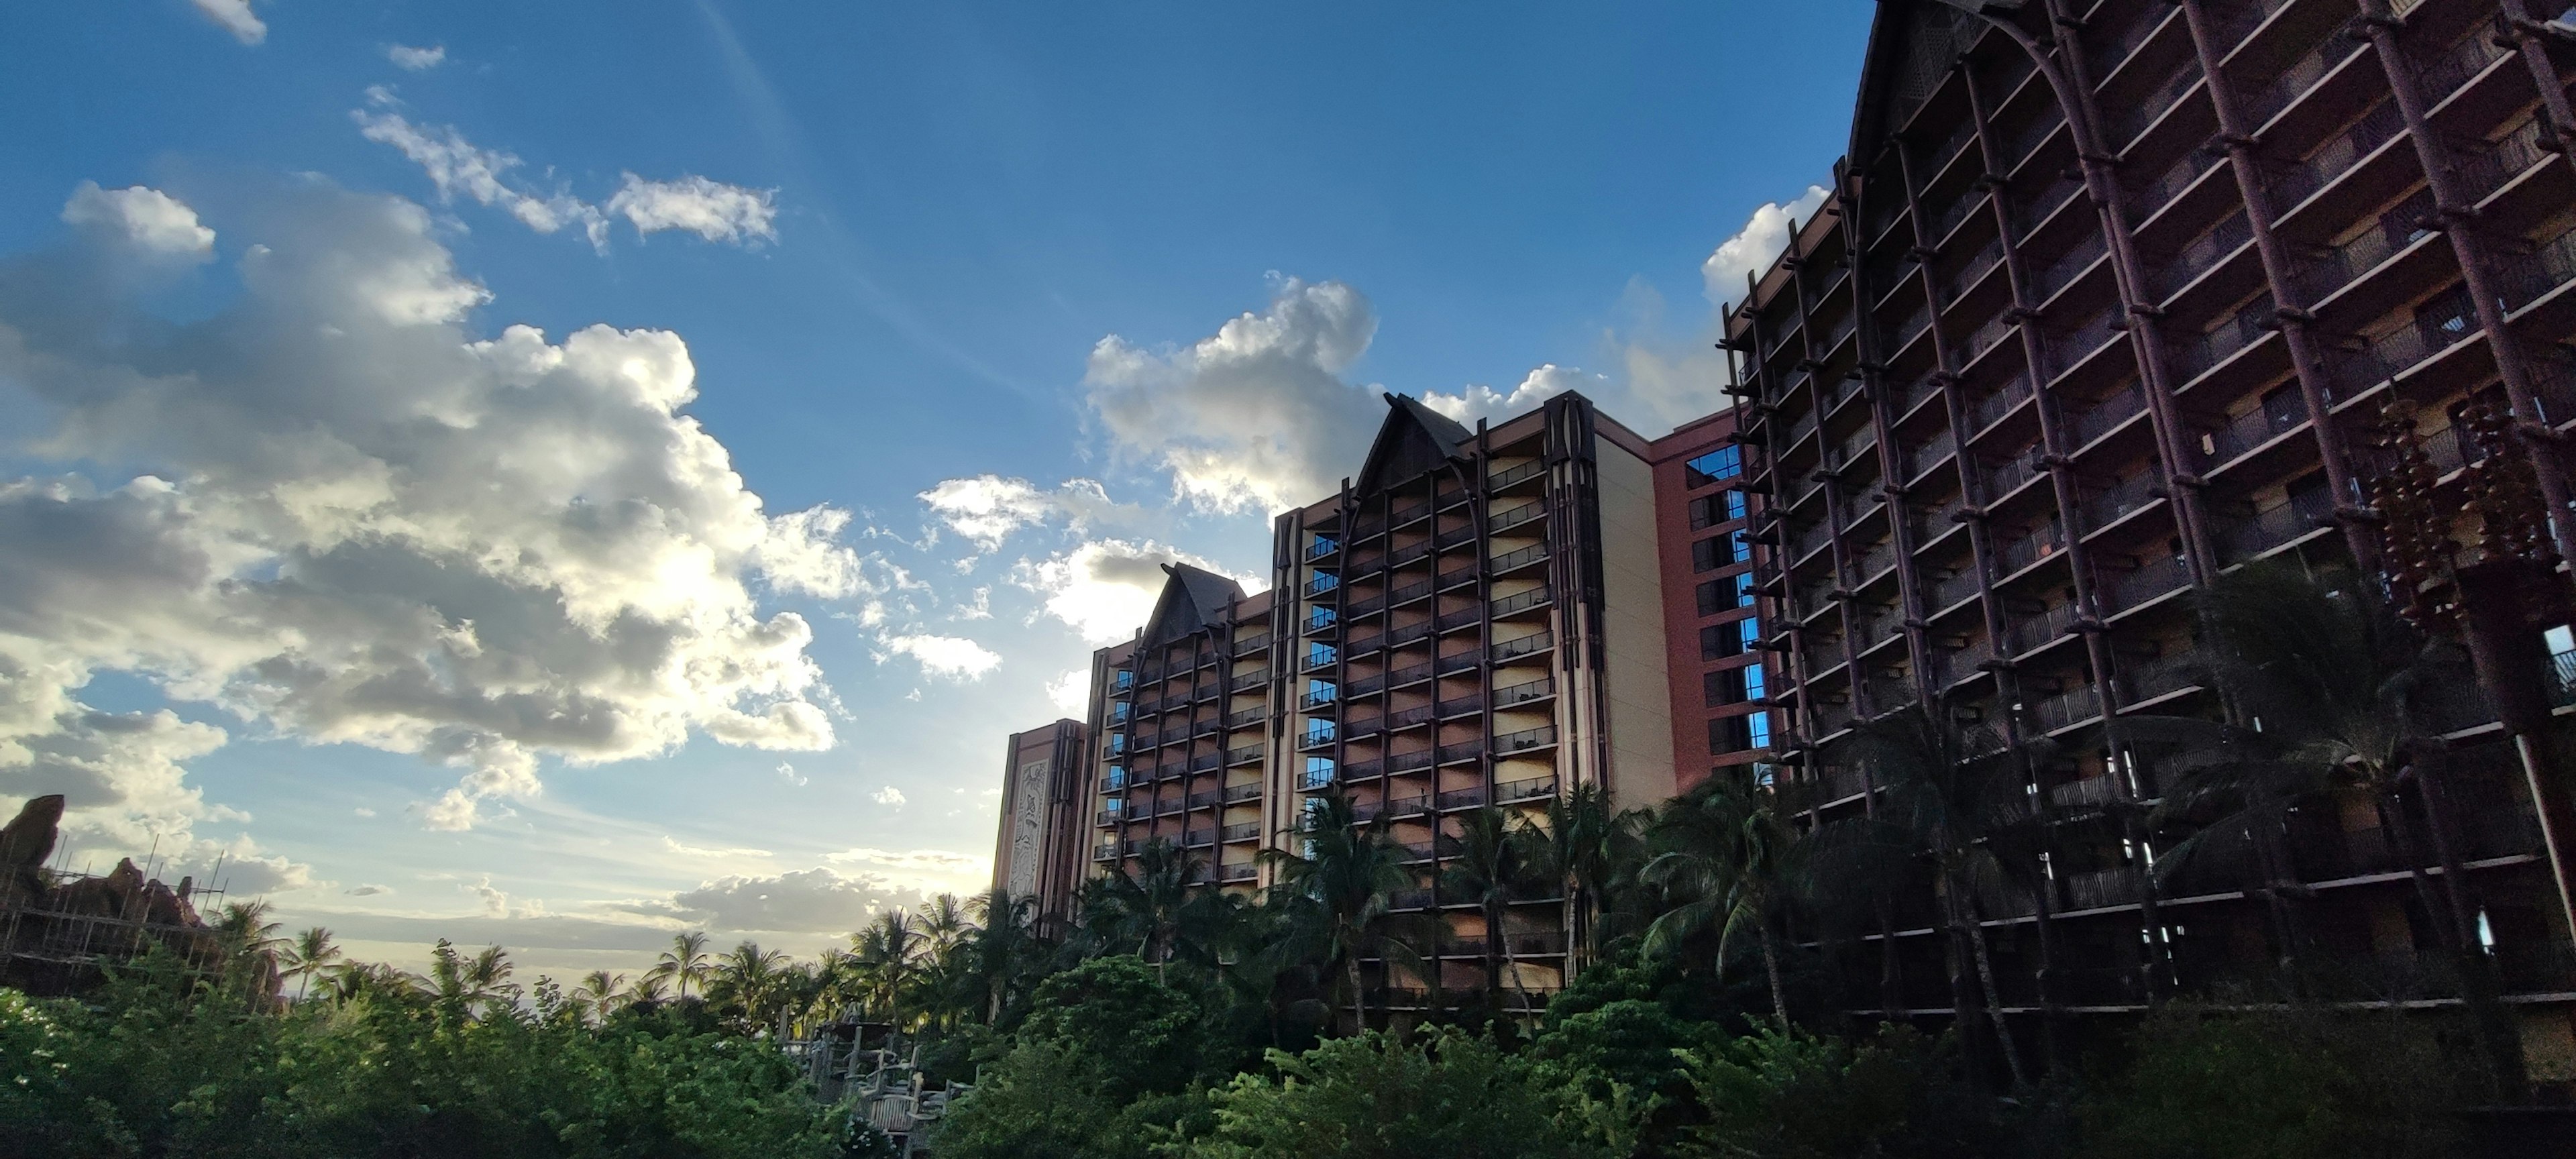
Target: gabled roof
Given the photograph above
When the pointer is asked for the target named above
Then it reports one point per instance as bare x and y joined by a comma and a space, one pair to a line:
1912, 43
1191, 601
1414, 439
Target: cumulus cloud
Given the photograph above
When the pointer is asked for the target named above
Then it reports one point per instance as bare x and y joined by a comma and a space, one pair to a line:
813, 901
1477, 401
234, 16
1753, 247
1105, 588
412, 59
1256, 416
368, 890
141, 219
458, 168
888, 795
787, 772
947, 657
345, 517
986, 509
710, 209
1071, 692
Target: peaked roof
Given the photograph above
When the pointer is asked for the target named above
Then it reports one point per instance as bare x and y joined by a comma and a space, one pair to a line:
1414, 439
1191, 599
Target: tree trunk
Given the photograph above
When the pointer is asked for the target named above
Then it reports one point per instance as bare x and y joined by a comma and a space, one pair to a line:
1994, 1000
1891, 993
1771, 966
2480, 991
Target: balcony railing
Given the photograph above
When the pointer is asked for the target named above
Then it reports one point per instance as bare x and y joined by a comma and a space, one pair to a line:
2270, 529
1992, 408
2528, 277
1522, 601
1512, 559
2134, 493
2342, 265
2150, 579
1524, 693
2457, 66
1911, 328
2029, 633
2110, 412
2297, 182
1996, 480
1511, 475
2064, 351
1949, 590
2199, 257
2248, 431
2158, 677
2064, 270
1523, 646
2241, 329
1986, 259
2264, 103
1514, 517
2130, 120
2071, 707
2487, 168
2028, 212
1917, 460
2042, 542
2397, 351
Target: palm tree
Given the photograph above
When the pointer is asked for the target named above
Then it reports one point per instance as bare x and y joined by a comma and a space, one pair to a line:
601, 991
999, 952
684, 963
1148, 907
886, 961
1491, 869
310, 953
649, 991
1723, 855
1587, 848
749, 977
1339, 890
2337, 694
1946, 795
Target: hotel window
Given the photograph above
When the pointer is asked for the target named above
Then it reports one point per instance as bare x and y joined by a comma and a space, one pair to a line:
1731, 734
1319, 655
1733, 638
1726, 593
1721, 464
1319, 618
1732, 685
1720, 550
1723, 507
1126, 680
1319, 772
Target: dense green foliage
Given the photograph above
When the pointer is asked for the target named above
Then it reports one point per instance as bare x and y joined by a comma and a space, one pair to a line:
161, 1065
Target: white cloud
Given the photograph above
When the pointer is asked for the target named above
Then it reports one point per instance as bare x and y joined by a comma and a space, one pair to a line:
1071, 692
1255, 416
703, 851
986, 509
787, 772
710, 209
1753, 247
1105, 588
888, 795
458, 168
361, 523
364, 811
141, 219
412, 59
235, 17
1477, 401
949, 657
368, 890
814, 901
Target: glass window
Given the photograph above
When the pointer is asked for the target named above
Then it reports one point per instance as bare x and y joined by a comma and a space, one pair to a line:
1126, 680
1757, 730
1734, 505
1755, 687
1725, 462
1319, 731
1319, 654
1741, 544
1319, 772
1320, 618
1708, 510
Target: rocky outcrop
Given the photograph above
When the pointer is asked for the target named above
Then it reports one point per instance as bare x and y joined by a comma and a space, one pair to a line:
25, 843
56, 933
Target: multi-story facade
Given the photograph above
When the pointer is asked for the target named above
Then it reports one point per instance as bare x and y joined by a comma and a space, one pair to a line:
1040, 850
1476, 619
2107, 302
1712, 634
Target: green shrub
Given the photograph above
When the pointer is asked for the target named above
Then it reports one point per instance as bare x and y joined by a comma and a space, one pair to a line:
1379, 1096
2277, 1084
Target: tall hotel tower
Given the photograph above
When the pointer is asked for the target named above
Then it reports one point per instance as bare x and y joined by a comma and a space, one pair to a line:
2109, 301
1477, 618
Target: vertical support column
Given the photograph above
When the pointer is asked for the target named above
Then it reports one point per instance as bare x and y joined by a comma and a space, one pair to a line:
2052, 435
1980, 537
2557, 123
1872, 346
2289, 307
2071, 81
2459, 224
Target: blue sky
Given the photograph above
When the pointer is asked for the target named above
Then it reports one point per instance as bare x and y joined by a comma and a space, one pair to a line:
986, 309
